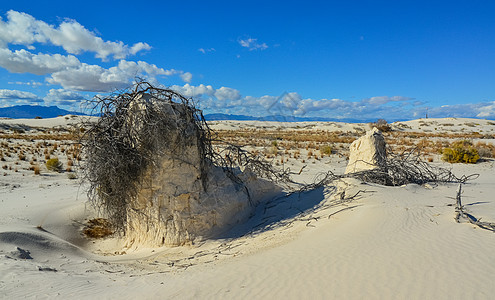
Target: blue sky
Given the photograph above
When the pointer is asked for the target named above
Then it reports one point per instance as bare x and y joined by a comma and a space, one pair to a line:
337, 59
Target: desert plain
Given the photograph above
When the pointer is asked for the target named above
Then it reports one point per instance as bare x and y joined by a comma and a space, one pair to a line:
347, 239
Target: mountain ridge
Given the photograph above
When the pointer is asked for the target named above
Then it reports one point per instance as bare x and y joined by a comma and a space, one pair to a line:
34, 111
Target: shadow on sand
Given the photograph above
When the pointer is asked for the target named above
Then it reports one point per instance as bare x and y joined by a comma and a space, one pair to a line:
280, 211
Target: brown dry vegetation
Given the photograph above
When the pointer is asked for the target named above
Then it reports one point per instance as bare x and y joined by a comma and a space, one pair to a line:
98, 228
28, 150
20, 149
294, 143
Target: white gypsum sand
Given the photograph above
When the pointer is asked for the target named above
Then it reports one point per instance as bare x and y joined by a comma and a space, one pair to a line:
387, 242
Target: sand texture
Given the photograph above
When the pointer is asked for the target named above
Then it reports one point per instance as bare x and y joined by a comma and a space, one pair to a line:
347, 239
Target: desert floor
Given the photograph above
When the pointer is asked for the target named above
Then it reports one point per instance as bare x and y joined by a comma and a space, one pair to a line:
348, 239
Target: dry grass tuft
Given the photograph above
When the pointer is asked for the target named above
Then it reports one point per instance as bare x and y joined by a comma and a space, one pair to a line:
98, 228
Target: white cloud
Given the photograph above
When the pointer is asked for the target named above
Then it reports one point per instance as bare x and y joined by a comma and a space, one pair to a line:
95, 78
30, 83
16, 94
139, 47
226, 93
22, 29
204, 51
186, 77
89, 78
229, 100
190, 91
487, 111
252, 44
66, 70
61, 97
380, 100
16, 97
468, 110
22, 61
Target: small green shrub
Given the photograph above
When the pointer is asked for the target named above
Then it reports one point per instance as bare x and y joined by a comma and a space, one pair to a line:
461, 152
326, 150
54, 164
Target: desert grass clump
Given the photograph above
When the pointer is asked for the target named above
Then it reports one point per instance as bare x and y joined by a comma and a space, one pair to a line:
21, 156
54, 165
98, 228
461, 152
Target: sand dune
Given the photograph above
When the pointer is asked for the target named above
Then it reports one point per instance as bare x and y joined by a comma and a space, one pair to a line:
386, 243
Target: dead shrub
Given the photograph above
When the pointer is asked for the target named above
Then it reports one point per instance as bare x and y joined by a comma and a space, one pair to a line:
485, 150
134, 129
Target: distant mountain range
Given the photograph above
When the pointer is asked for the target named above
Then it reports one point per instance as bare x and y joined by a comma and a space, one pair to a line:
32, 111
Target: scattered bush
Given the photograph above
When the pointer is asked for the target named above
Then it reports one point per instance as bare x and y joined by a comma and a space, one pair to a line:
36, 170
485, 150
54, 164
461, 151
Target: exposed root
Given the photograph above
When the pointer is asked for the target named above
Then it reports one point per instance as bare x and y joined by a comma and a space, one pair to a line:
462, 214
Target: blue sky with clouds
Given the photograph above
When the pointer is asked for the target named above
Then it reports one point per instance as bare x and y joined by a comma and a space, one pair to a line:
338, 59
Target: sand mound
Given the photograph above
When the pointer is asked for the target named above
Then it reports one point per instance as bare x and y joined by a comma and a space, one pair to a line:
38, 244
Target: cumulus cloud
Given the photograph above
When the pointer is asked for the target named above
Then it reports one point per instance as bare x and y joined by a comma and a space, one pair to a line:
23, 29
61, 97
487, 110
468, 110
252, 44
186, 76
67, 70
229, 100
226, 93
22, 61
139, 47
16, 97
95, 78
191, 91
16, 94
225, 99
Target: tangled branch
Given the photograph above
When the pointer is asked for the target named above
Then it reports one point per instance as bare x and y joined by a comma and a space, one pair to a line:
400, 169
